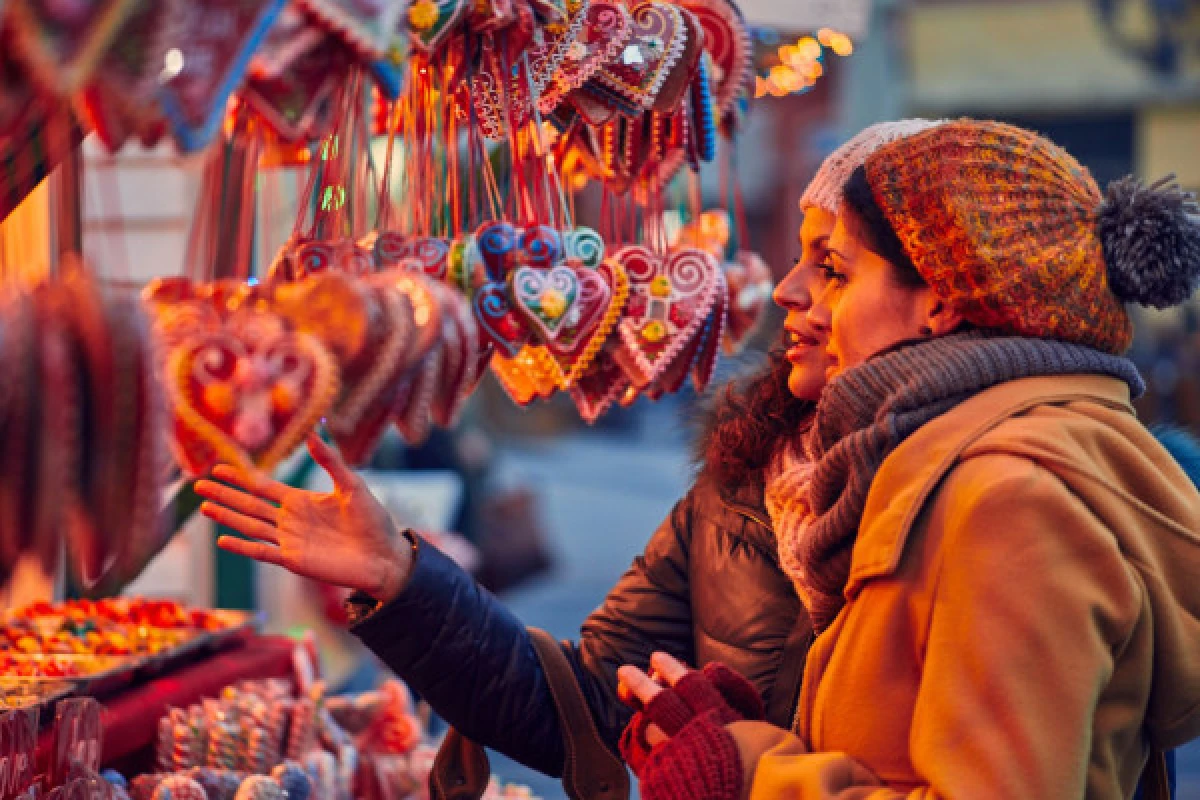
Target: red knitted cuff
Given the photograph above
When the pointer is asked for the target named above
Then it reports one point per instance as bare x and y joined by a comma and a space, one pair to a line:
700, 763
739, 693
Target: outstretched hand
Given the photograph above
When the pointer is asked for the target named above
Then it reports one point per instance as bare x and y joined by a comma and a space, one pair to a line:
344, 537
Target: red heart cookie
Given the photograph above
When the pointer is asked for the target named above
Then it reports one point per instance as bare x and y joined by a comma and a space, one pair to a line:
604, 29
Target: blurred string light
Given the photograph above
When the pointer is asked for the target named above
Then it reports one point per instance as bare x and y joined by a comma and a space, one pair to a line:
801, 64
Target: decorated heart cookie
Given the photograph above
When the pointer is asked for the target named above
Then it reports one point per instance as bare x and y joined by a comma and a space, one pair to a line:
243, 398
365, 26
532, 374
669, 300
499, 323
727, 41
658, 41
604, 29
289, 100
563, 305
429, 255
749, 287
218, 38
431, 22
578, 360
63, 42
585, 246
603, 384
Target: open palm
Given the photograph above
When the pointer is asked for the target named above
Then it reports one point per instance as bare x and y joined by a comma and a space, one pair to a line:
344, 537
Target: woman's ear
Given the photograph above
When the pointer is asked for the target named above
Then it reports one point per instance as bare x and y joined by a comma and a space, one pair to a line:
941, 318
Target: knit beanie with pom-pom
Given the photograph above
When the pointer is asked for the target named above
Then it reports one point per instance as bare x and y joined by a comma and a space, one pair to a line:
1014, 233
825, 189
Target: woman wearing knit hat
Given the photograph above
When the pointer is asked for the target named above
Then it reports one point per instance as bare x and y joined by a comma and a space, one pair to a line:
999, 558
708, 585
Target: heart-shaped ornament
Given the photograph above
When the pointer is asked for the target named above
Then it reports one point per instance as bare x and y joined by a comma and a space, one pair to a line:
658, 40
541, 246
579, 359
245, 400
64, 42
601, 385
497, 243
291, 100
365, 26
549, 51
217, 40
460, 351
499, 323
749, 288
543, 297
431, 22
413, 410
584, 245
604, 30
532, 374
714, 334
669, 300
427, 255
502, 96
727, 41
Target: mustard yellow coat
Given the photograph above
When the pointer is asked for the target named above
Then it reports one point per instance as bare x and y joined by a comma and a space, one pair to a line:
1022, 616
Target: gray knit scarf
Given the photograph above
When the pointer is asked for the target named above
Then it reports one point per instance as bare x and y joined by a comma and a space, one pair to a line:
869, 410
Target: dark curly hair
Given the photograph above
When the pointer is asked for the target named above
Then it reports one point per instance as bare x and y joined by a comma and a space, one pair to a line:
744, 425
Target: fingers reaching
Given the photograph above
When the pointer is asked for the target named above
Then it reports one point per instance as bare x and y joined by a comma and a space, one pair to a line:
330, 461
249, 526
253, 482
237, 500
638, 684
255, 550
667, 668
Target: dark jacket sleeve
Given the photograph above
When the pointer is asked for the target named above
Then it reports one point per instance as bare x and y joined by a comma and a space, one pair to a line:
459, 648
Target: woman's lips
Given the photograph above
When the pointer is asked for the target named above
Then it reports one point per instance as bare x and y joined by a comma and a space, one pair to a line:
800, 345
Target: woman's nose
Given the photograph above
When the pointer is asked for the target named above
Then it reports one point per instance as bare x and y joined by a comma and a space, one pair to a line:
792, 293
819, 316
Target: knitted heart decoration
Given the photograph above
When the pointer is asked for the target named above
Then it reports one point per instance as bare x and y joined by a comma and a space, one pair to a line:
658, 40
245, 400
604, 30
669, 300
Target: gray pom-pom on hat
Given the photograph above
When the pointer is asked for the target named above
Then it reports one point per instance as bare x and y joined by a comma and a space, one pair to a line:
1151, 241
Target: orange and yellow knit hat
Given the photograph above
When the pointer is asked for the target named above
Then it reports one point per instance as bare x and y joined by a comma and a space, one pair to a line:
1016, 235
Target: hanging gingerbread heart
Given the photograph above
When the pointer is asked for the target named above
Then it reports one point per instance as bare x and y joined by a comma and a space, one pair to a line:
727, 41
502, 97
576, 361
217, 40
431, 22
714, 334
605, 28
498, 244
121, 97
413, 410
584, 245
246, 399
750, 286
550, 51
540, 246
365, 26
64, 42
19, 424
499, 323
563, 305
361, 416
291, 100
427, 255
532, 374
460, 348
669, 300
339, 311
657, 43
599, 387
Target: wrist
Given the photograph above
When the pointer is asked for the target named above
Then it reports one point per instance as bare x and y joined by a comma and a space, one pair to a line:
394, 569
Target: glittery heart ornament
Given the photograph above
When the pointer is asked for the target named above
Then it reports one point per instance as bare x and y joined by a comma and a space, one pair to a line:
605, 28
669, 300
365, 26
63, 41
727, 41
218, 39
749, 286
430, 22
247, 395
657, 42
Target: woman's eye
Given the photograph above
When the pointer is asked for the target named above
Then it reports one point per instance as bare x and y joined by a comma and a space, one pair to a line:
831, 274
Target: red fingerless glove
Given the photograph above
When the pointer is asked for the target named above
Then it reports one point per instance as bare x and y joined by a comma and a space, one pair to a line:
716, 689
700, 762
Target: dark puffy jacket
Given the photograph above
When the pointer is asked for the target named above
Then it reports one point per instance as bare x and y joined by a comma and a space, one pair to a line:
707, 588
